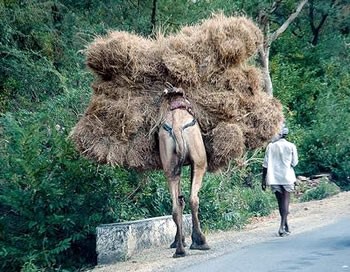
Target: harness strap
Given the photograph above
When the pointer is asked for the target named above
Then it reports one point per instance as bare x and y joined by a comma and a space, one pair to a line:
169, 129
192, 123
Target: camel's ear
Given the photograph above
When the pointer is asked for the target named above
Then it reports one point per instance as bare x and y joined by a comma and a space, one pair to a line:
168, 86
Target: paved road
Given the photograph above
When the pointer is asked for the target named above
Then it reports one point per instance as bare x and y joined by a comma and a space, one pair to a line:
325, 249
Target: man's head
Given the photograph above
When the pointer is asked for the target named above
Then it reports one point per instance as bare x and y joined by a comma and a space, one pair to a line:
281, 134
284, 131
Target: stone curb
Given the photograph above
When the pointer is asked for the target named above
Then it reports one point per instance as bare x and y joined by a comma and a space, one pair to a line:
120, 241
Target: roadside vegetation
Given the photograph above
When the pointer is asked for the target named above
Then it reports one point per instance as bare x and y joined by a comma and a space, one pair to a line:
323, 190
52, 199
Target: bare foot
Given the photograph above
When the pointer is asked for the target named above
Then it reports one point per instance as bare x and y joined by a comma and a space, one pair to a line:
283, 233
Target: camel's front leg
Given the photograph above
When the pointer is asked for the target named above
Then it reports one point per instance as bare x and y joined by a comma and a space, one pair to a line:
198, 169
198, 238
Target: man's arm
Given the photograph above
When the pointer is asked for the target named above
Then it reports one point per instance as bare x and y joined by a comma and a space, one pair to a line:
295, 158
264, 170
263, 181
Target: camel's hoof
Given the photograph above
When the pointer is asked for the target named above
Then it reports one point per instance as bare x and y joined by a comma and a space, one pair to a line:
200, 247
173, 245
179, 255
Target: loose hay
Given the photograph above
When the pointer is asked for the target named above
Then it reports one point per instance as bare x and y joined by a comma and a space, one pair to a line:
227, 143
209, 61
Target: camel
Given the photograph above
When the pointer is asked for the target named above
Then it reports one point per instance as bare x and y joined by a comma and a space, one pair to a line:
181, 143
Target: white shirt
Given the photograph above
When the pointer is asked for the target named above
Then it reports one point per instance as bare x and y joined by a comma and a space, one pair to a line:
280, 158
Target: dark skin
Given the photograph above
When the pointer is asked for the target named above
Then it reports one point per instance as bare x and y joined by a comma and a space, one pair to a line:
283, 200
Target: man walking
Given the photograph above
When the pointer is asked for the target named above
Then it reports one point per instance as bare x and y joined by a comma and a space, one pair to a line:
280, 158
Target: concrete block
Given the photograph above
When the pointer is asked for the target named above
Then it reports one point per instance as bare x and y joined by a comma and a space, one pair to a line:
120, 241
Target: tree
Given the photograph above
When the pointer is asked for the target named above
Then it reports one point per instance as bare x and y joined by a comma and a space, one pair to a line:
318, 14
264, 49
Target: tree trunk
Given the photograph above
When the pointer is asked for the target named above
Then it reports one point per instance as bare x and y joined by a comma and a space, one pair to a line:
153, 16
316, 30
264, 50
264, 62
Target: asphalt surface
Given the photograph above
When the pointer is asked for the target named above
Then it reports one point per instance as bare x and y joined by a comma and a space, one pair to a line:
324, 249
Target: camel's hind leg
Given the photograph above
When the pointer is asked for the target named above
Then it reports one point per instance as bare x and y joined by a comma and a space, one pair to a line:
177, 212
169, 161
175, 181
198, 238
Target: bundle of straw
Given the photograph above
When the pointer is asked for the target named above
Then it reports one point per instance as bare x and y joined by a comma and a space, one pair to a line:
210, 61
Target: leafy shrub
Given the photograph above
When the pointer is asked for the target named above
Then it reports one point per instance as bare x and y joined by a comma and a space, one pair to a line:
259, 203
313, 85
55, 197
153, 195
327, 142
228, 200
323, 190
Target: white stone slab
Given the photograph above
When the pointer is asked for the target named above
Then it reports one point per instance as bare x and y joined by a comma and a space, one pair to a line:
119, 241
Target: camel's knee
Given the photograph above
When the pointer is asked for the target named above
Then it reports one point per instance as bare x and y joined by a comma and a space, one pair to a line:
198, 173
200, 165
194, 202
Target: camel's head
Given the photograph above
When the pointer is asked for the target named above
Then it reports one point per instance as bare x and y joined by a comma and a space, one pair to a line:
171, 90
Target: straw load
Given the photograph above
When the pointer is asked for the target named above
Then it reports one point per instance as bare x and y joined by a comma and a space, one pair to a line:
210, 61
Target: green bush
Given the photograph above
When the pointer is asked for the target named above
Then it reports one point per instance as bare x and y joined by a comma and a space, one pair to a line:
221, 206
259, 203
313, 85
153, 194
323, 190
55, 197
229, 199
232, 206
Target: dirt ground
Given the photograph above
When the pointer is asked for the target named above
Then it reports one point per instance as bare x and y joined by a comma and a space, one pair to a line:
303, 217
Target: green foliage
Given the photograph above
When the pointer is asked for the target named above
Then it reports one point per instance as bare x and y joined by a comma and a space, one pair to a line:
259, 203
34, 48
225, 206
152, 195
327, 141
174, 14
229, 199
313, 84
55, 197
323, 190
221, 210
